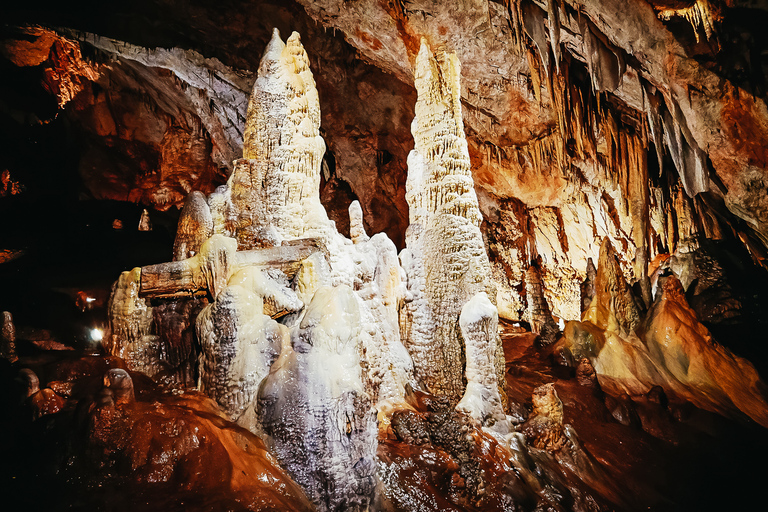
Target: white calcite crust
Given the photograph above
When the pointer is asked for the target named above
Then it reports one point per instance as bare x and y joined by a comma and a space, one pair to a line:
262, 248
445, 259
314, 407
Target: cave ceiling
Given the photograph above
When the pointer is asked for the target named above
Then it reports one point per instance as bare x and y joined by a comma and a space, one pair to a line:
583, 119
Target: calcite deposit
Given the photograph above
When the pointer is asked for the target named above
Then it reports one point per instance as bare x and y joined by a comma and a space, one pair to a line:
668, 347
476, 255
445, 261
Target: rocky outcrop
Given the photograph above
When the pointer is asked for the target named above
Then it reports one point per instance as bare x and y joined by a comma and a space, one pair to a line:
544, 427
669, 347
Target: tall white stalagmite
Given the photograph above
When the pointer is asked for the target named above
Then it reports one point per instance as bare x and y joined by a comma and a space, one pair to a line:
276, 182
445, 259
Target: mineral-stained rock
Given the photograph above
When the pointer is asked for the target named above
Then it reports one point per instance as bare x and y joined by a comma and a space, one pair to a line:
8, 337
544, 427
585, 374
445, 259
314, 407
588, 286
195, 227
130, 325
711, 376
669, 348
172, 439
121, 385
40, 402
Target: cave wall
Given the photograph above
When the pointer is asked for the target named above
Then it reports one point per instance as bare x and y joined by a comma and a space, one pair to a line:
612, 122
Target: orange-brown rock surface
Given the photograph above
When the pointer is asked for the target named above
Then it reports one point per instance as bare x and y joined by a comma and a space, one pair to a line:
667, 347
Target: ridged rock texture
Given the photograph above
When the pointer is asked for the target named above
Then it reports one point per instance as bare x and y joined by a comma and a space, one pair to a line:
669, 347
445, 259
276, 182
262, 246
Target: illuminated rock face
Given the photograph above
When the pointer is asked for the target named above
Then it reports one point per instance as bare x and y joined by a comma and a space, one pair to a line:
445, 259
276, 183
239, 344
130, 321
262, 246
668, 347
314, 407
195, 226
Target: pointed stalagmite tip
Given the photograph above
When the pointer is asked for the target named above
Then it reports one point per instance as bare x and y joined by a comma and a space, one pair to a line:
275, 43
295, 37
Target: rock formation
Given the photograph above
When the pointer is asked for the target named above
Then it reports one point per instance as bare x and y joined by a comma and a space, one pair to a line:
8, 338
314, 407
669, 347
544, 428
445, 259
276, 182
195, 226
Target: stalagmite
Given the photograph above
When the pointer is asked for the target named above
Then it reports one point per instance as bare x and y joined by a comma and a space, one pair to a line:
544, 427
614, 304
538, 313
195, 226
130, 325
145, 223
315, 410
444, 259
276, 182
8, 338
239, 344
588, 286
356, 228
479, 322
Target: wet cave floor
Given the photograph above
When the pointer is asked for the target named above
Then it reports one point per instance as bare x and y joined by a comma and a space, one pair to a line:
174, 450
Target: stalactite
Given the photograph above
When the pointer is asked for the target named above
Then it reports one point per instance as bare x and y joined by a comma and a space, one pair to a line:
700, 15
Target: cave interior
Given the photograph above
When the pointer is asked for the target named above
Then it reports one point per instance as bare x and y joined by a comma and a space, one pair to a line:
384, 255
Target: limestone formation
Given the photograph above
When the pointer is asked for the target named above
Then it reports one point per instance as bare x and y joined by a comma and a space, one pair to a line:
479, 323
194, 228
239, 344
445, 259
277, 180
668, 348
130, 333
614, 300
544, 428
8, 338
314, 407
